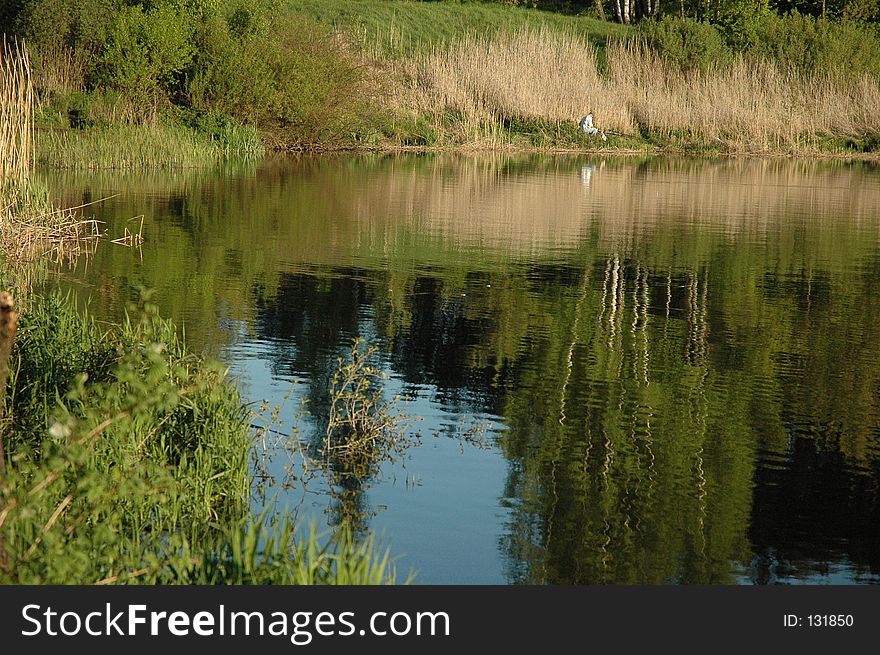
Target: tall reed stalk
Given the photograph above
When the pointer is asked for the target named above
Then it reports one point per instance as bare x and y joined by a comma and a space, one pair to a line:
16, 112
29, 225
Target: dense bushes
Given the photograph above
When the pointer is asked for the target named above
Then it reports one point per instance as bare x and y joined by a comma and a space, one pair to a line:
815, 44
687, 43
295, 81
802, 43
144, 54
245, 59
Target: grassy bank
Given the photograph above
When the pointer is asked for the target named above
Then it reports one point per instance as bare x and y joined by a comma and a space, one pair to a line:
175, 84
128, 461
397, 29
124, 457
131, 146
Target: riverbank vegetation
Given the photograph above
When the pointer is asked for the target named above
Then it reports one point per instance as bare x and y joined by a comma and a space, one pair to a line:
124, 457
132, 83
128, 461
30, 226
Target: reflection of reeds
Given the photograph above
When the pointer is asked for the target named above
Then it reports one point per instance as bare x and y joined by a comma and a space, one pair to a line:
486, 201
132, 239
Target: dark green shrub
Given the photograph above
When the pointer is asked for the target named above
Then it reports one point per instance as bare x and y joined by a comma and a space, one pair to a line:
735, 20
810, 44
295, 82
865, 11
689, 44
145, 52
77, 23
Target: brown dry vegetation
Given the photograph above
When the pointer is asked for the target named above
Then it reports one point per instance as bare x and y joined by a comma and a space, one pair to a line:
29, 226
474, 87
16, 114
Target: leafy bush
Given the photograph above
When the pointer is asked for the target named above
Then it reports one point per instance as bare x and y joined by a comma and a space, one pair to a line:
810, 44
294, 81
735, 20
75, 23
688, 44
145, 52
364, 429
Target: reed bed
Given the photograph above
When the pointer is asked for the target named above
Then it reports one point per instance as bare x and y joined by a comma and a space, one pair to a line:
473, 89
29, 226
134, 147
31, 229
16, 113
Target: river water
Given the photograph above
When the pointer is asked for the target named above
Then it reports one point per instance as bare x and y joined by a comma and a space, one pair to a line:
625, 370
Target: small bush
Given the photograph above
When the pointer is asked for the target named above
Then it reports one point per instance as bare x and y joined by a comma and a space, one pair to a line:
363, 429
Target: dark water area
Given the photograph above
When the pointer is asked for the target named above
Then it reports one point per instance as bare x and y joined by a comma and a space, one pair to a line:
627, 371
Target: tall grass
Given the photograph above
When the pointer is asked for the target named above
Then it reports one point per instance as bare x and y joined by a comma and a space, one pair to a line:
16, 113
58, 68
476, 88
400, 29
128, 147
29, 226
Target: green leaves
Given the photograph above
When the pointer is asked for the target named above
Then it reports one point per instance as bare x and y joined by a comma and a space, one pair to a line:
145, 51
363, 428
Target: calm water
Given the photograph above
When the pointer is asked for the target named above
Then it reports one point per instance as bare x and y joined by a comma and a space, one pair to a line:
674, 365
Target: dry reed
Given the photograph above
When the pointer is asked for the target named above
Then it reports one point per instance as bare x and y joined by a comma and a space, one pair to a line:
747, 106
29, 227
16, 113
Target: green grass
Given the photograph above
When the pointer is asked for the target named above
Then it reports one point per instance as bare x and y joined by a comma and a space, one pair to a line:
129, 462
165, 146
401, 27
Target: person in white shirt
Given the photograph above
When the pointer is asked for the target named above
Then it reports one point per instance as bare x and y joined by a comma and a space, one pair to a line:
586, 124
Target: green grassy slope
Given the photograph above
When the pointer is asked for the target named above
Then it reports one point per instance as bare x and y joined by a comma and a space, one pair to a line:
403, 26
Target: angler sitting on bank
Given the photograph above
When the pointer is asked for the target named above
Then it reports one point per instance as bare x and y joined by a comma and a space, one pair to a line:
586, 124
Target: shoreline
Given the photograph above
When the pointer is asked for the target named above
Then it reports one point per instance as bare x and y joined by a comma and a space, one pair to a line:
624, 152
169, 161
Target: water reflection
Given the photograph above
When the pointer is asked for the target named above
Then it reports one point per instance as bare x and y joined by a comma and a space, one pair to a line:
682, 357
